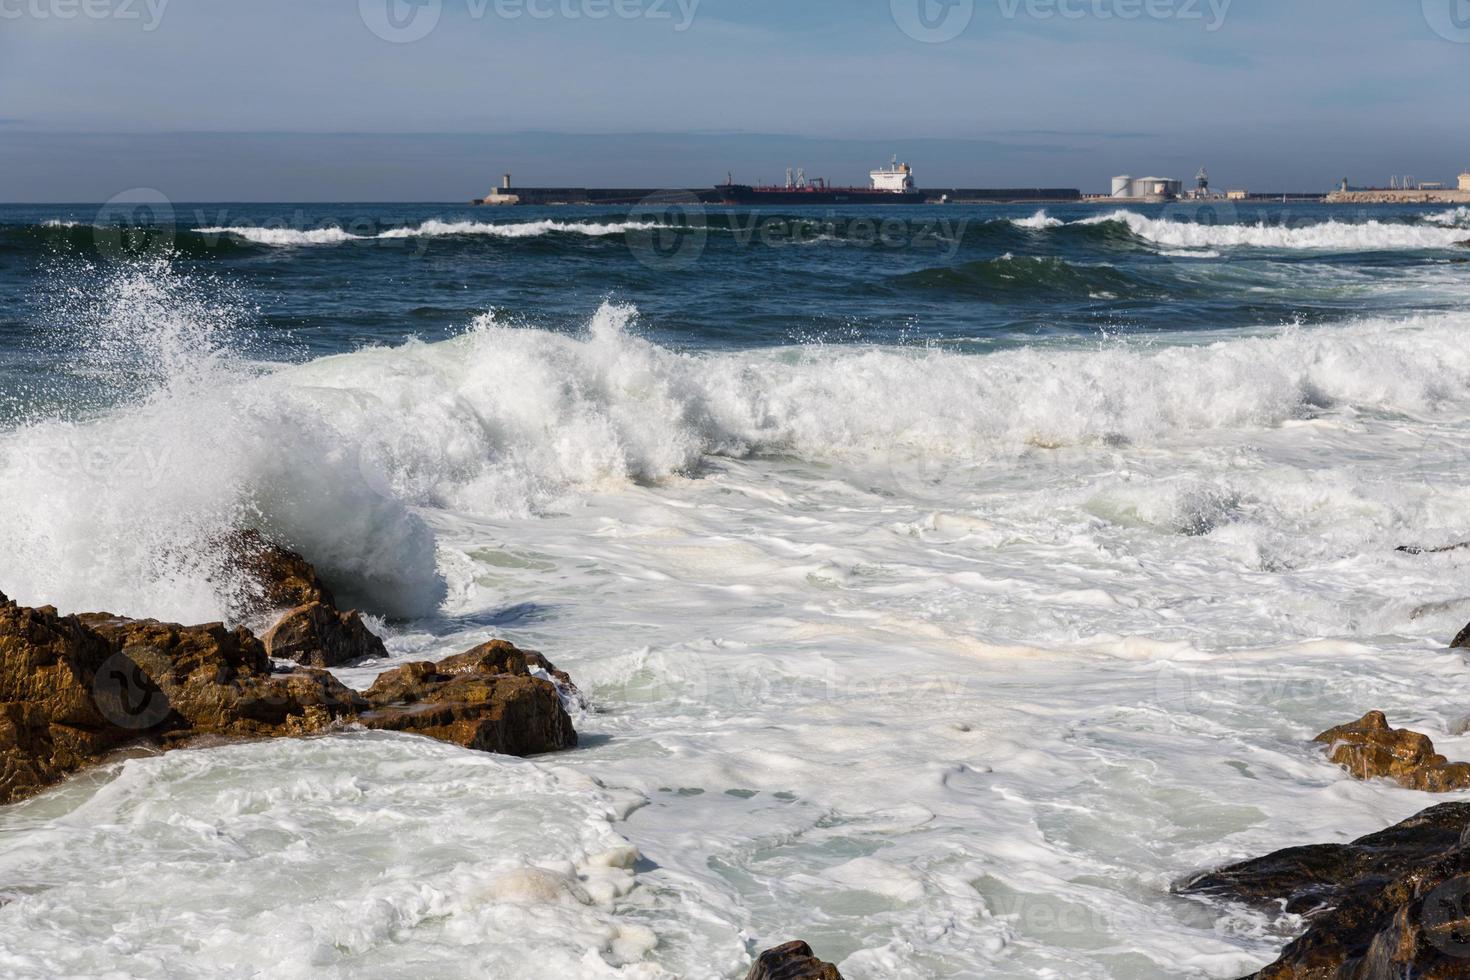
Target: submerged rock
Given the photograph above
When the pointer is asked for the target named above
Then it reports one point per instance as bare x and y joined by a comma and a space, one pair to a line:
1392, 905
1370, 748
75, 689
793, 961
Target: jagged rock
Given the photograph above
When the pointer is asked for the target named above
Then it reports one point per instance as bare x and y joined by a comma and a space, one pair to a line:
1461, 640
1392, 905
75, 689
792, 961
311, 630
486, 698
1413, 549
317, 635
285, 579
1370, 748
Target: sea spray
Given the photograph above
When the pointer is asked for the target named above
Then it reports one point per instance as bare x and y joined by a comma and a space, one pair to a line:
128, 509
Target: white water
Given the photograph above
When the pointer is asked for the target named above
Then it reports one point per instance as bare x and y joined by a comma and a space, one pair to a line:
1037, 222
947, 663
1363, 236
287, 237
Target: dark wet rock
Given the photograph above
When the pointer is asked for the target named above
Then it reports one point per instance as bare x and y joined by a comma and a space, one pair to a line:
282, 578
1410, 549
1369, 748
310, 630
487, 698
1392, 905
76, 689
1461, 640
317, 635
793, 961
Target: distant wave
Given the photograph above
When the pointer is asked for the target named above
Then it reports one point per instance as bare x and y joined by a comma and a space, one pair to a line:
1367, 236
288, 237
1458, 218
1038, 221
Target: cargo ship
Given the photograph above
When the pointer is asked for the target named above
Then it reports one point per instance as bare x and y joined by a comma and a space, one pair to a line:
893, 184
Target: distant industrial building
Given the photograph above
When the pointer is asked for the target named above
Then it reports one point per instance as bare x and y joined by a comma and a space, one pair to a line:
1465, 182
1147, 188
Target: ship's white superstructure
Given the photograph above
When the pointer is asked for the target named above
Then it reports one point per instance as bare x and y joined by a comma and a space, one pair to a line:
896, 178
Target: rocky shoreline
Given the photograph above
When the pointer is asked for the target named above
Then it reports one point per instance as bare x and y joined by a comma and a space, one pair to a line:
83, 689
1390, 906
79, 690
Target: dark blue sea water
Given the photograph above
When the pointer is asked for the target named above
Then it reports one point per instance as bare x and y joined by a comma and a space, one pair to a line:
710, 278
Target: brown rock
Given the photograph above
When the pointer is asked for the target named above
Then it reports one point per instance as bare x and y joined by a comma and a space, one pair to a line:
485, 699
1369, 748
1392, 905
311, 631
283, 578
793, 961
74, 689
1461, 640
317, 635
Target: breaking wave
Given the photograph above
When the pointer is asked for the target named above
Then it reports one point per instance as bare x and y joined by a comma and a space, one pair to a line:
347, 457
287, 237
1367, 236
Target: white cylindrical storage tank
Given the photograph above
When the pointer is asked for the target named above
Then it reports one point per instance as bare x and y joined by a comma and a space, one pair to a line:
1122, 186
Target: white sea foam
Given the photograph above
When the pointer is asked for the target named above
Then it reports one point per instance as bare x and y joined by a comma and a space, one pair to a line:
1365, 236
523, 229
288, 237
950, 663
1458, 218
1037, 222
340, 456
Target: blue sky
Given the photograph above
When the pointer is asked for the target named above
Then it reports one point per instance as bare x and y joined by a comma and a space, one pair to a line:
302, 100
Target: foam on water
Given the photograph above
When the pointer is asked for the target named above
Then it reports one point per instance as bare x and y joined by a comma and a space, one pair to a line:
948, 663
1037, 222
341, 456
1364, 236
288, 237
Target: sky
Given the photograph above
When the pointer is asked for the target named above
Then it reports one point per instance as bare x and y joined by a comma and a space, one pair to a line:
430, 100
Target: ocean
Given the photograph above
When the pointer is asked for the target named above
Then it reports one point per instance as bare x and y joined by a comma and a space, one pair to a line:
946, 582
